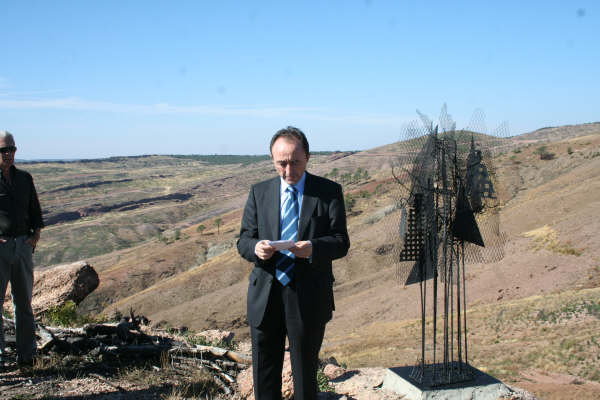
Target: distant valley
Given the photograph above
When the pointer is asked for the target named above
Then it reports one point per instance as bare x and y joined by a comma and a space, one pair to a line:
161, 232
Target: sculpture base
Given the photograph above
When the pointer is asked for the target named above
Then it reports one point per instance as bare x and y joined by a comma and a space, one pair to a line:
481, 387
430, 375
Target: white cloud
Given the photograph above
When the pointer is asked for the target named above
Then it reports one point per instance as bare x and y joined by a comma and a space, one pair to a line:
75, 103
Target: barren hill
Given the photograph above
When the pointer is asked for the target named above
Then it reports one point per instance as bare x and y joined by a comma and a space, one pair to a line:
535, 310
555, 133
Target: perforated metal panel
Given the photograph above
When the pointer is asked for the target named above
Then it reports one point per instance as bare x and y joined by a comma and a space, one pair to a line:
414, 242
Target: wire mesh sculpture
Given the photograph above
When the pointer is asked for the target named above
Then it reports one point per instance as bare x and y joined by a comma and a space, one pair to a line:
448, 196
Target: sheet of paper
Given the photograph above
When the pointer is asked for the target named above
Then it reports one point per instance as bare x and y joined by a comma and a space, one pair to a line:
281, 244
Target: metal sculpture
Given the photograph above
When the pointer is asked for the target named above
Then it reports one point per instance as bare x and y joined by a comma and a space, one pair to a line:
449, 217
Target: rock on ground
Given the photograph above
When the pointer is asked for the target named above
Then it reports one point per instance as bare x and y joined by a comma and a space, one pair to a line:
55, 286
216, 336
347, 384
246, 385
363, 384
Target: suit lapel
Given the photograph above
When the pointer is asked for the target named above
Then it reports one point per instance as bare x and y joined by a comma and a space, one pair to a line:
309, 202
272, 215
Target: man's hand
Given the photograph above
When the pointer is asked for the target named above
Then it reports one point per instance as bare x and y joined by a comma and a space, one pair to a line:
33, 239
264, 250
302, 249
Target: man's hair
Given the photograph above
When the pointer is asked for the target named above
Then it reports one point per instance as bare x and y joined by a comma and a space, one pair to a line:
290, 132
7, 136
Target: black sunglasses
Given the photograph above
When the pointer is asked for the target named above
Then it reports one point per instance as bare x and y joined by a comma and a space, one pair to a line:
8, 149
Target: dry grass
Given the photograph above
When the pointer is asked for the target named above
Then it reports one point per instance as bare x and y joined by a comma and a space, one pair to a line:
110, 377
547, 238
194, 384
553, 333
197, 385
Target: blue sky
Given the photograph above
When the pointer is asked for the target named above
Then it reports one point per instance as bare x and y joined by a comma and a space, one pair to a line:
81, 79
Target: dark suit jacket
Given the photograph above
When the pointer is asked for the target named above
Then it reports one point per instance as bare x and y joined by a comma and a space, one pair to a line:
322, 221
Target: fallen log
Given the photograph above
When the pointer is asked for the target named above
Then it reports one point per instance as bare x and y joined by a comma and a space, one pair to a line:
66, 331
220, 363
123, 341
141, 350
218, 352
9, 323
46, 338
224, 386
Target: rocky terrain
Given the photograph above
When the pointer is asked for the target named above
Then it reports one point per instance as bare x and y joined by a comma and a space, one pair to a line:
161, 230
129, 360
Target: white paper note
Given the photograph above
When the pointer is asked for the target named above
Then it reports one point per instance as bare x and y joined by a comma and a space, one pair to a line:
281, 244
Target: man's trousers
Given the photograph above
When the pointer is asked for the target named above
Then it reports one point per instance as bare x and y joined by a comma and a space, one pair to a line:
16, 267
282, 318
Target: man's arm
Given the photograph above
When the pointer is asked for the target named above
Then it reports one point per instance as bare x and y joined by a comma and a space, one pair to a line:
249, 246
336, 243
249, 230
34, 238
35, 216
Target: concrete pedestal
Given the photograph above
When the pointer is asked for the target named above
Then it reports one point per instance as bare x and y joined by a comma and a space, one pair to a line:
481, 387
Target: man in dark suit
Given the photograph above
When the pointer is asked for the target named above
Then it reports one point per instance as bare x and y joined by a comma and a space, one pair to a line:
290, 292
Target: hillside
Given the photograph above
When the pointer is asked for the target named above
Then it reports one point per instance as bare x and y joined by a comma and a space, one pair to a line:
119, 202
556, 133
534, 310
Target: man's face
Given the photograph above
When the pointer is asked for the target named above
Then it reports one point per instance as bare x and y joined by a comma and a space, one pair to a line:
7, 153
289, 159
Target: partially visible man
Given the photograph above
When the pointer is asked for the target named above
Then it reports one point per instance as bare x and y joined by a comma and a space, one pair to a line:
290, 292
20, 226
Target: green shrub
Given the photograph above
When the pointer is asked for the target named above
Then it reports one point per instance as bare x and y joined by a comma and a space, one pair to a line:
66, 315
349, 201
544, 154
334, 173
323, 382
541, 150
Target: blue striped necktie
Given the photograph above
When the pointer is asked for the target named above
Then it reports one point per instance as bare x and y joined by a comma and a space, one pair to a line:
289, 231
